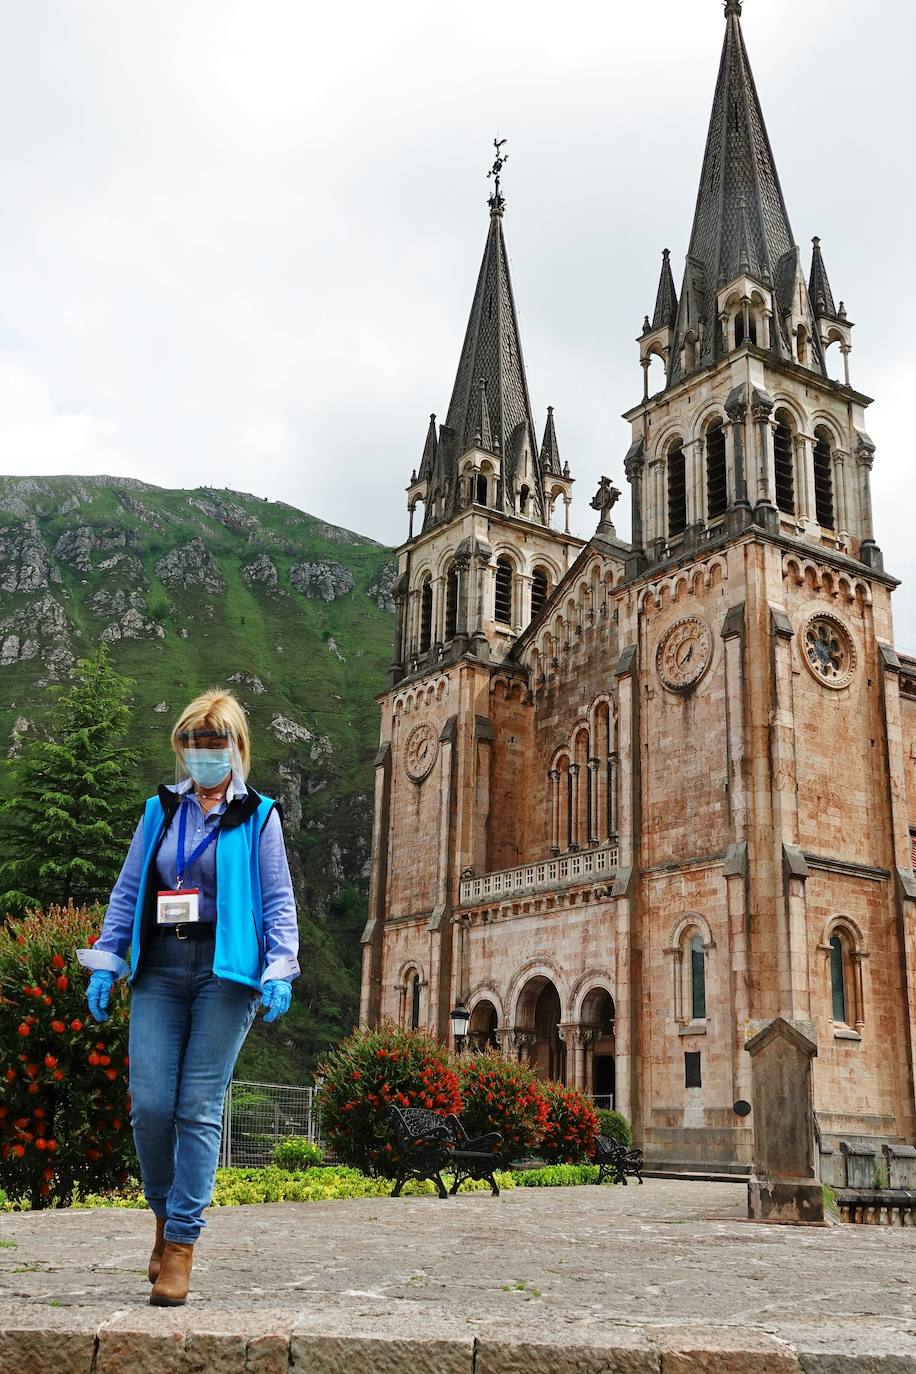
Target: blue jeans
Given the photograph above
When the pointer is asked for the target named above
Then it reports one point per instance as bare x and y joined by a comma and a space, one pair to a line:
186, 1030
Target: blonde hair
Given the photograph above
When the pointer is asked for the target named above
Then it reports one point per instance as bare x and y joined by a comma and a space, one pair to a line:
215, 710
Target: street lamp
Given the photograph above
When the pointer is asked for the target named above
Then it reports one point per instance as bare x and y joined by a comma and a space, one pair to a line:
460, 1017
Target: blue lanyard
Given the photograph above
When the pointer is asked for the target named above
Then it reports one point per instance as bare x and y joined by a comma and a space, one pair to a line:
182, 864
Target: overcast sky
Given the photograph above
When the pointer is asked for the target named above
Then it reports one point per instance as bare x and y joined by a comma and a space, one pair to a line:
240, 240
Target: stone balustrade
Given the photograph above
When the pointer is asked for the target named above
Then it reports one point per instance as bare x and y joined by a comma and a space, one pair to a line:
585, 866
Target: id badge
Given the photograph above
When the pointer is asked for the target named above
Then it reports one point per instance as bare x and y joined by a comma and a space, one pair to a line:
178, 908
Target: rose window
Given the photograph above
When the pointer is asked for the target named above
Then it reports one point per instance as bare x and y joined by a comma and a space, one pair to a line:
829, 651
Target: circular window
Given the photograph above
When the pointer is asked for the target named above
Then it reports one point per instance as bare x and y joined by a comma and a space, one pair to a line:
829, 651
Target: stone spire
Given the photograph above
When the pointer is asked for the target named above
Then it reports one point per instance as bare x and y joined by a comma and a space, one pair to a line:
491, 378
429, 452
741, 225
819, 286
550, 449
666, 299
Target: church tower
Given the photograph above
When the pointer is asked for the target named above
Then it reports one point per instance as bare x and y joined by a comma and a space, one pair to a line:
790, 453
481, 559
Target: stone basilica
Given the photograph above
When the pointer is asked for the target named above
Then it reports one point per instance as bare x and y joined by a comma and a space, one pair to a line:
632, 799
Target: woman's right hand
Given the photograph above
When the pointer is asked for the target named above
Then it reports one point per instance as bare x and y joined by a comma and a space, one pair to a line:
98, 993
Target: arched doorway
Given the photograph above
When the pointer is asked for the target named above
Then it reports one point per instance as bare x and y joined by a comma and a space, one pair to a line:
597, 1016
539, 1014
482, 1026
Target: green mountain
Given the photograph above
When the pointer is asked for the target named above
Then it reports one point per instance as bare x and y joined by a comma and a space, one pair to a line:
193, 589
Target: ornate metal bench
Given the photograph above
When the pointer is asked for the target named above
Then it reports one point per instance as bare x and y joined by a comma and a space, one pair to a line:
427, 1143
616, 1161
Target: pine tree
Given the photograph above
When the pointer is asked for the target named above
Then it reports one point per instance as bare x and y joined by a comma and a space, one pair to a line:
74, 798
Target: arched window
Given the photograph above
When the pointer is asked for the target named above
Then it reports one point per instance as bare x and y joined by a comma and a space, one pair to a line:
451, 602
677, 490
802, 345
426, 614
481, 496
785, 464
415, 1002
690, 351
503, 591
539, 590
823, 479
739, 329
523, 498
697, 979
838, 979
716, 477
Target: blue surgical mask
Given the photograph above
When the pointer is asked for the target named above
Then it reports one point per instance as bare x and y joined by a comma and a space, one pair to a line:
207, 766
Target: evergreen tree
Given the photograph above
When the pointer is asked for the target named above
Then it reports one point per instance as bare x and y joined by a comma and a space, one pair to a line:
74, 798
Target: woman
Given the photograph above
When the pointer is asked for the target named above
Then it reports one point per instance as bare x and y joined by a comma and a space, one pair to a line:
205, 906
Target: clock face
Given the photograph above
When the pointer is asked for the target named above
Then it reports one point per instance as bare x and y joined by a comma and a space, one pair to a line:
828, 650
684, 653
420, 750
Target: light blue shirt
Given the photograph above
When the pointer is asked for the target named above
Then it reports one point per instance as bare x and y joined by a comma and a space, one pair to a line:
281, 928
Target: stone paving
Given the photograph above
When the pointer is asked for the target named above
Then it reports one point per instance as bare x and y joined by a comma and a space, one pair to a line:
668, 1278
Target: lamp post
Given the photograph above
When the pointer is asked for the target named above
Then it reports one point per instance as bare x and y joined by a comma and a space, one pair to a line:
459, 1018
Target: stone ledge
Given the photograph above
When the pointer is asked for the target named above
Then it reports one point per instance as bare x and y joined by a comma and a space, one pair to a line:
183, 1342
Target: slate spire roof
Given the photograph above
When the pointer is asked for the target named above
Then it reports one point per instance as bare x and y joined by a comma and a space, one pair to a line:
429, 452
550, 449
666, 299
819, 286
490, 407
741, 225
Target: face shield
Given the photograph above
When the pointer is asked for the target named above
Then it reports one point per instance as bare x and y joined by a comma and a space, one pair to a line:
208, 756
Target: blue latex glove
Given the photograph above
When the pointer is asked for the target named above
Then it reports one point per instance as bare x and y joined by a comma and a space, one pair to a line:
275, 998
98, 993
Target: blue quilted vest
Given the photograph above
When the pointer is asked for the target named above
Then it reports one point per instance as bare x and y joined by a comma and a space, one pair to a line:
239, 951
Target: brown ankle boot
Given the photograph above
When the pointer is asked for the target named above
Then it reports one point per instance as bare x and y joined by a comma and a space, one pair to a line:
171, 1287
156, 1255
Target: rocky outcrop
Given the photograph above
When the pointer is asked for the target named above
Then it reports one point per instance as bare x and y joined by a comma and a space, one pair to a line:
132, 625
380, 589
260, 572
225, 513
288, 732
191, 565
21, 727
324, 580
76, 547
14, 649
115, 601
23, 559
251, 681
22, 632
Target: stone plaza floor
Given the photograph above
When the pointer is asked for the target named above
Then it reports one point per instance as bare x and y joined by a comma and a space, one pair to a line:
667, 1278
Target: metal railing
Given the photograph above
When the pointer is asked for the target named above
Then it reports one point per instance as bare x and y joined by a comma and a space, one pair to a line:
257, 1116
583, 866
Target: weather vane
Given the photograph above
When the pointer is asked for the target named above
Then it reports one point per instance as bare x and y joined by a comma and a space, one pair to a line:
496, 201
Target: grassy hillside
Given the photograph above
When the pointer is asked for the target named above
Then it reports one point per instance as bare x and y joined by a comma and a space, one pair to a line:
197, 588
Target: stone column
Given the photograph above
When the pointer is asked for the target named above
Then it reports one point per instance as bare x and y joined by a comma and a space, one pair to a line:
462, 567
587, 1038
633, 467
554, 777
870, 554
841, 515
524, 583
567, 1033
574, 840
784, 1185
592, 814
735, 869
504, 1042
522, 1040
803, 493
483, 579
438, 627
736, 410
765, 513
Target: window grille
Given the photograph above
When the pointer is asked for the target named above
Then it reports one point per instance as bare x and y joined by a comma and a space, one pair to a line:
823, 482
426, 616
785, 469
677, 492
538, 591
504, 591
716, 478
451, 603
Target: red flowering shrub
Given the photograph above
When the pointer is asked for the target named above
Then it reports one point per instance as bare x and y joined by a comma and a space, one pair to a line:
64, 1113
370, 1071
501, 1095
572, 1125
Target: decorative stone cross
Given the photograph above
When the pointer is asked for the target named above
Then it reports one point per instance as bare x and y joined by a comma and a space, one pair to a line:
604, 500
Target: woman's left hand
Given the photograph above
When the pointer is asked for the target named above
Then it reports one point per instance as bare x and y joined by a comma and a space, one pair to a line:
275, 998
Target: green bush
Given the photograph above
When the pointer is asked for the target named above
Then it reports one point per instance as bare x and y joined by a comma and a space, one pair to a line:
571, 1125
615, 1126
556, 1176
371, 1071
501, 1095
296, 1153
64, 1110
